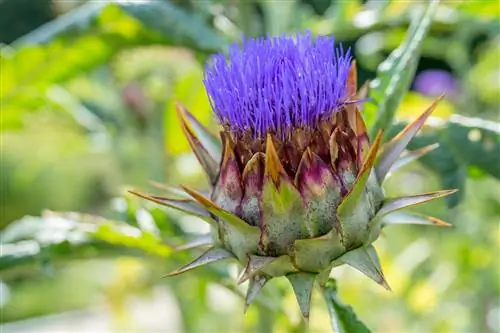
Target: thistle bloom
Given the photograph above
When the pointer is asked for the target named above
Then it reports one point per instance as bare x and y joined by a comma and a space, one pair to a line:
277, 84
296, 182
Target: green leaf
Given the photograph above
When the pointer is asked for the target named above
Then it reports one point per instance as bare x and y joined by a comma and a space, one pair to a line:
177, 25
86, 38
190, 90
394, 75
465, 145
59, 236
475, 142
343, 318
278, 15
174, 24
126, 236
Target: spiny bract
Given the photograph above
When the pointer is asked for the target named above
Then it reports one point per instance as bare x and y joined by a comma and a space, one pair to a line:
296, 183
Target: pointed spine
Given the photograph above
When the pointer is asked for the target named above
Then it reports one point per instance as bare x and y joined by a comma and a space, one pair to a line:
391, 205
273, 168
254, 287
351, 199
302, 284
412, 218
393, 149
237, 235
200, 241
207, 162
365, 260
210, 256
217, 210
177, 193
254, 266
363, 91
183, 205
411, 156
208, 139
352, 81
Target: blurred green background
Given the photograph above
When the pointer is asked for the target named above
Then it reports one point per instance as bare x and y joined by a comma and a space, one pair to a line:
87, 93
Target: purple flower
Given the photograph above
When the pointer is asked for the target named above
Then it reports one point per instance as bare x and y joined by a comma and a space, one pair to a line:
276, 84
435, 82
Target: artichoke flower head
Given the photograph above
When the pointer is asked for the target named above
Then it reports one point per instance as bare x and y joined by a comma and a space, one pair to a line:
296, 182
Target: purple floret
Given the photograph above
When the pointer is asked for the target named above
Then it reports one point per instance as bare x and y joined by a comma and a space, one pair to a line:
276, 84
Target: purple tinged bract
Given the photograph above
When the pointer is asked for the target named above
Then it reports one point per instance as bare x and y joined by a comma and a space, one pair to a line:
276, 84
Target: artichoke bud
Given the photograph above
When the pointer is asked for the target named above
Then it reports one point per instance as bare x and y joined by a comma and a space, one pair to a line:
296, 182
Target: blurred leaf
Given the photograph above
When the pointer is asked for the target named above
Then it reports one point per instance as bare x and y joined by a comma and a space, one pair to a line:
342, 13
177, 25
480, 8
65, 170
80, 41
78, 19
173, 23
484, 74
414, 104
475, 142
189, 90
124, 235
343, 318
57, 236
278, 15
465, 145
394, 74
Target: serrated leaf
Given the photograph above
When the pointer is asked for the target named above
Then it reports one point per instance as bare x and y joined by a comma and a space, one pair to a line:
343, 318
394, 74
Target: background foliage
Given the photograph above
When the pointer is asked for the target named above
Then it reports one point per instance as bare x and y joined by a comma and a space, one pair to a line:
87, 95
